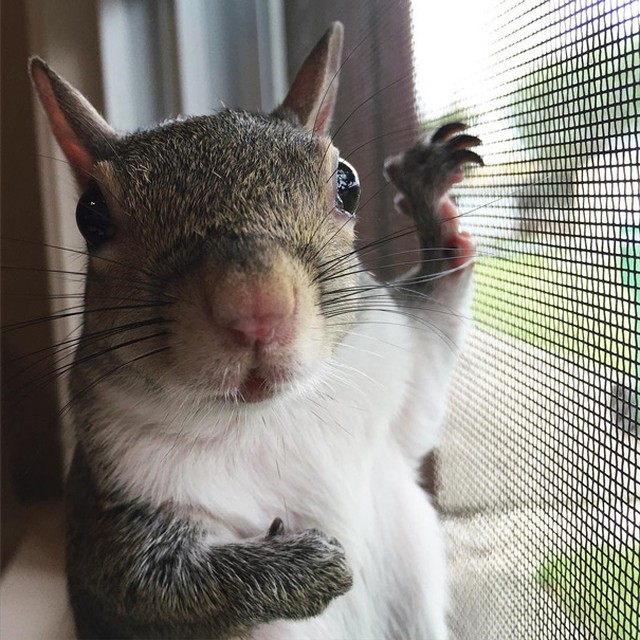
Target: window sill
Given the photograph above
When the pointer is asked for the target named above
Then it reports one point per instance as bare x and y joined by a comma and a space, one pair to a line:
33, 593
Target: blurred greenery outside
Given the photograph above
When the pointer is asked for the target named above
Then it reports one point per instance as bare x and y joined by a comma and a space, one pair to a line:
574, 118
599, 587
550, 298
572, 302
551, 302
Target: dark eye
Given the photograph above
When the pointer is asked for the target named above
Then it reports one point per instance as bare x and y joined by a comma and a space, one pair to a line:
92, 217
348, 193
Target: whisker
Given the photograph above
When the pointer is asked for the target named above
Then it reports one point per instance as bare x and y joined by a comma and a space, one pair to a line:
360, 350
92, 356
90, 174
377, 339
402, 285
70, 343
327, 264
79, 252
348, 58
330, 239
56, 372
427, 326
133, 285
393, 308
73, 311
346, 273
81, 274
369, 99
375, 194
353, 151
109, 373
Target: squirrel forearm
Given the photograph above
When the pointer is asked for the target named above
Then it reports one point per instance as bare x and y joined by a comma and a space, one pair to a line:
158, 572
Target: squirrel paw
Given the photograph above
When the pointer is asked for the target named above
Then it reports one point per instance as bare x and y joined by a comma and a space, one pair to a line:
423, 175
317, 569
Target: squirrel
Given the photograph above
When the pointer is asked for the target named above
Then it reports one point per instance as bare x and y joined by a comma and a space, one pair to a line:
251, 407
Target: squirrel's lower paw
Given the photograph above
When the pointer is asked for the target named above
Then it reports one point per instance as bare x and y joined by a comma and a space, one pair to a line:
314, 570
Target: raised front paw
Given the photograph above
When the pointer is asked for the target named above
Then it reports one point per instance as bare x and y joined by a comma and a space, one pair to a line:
423, 176
316, 570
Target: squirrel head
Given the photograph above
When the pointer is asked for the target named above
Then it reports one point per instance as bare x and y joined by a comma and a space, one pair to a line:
209, 238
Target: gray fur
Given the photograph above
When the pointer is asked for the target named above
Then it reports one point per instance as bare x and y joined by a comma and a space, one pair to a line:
228, 193
138, 572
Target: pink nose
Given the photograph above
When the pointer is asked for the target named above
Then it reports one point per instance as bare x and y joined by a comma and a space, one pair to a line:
259, 329
251, 309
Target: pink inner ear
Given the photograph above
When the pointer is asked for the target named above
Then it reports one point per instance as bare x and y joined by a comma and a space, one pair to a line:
81, 162
77, 154
322, 119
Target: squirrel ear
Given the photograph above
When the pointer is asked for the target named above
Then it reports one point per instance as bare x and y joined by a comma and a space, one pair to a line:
312, 95
80, 130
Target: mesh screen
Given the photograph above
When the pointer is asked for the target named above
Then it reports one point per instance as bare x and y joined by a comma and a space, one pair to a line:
538, 474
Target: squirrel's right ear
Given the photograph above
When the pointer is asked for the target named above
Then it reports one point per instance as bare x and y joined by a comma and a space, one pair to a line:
312, 95
80, 130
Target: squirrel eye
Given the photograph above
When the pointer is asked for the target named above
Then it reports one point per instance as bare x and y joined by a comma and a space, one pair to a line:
348, 192
92, 217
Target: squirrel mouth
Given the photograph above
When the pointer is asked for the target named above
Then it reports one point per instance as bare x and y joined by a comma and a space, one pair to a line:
258, 384
255, 388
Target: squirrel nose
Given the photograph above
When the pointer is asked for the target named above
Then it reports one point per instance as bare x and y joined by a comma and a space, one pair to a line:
254, 311
257, 307
259, 329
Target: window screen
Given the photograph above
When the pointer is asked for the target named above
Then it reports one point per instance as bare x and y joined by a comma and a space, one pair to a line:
538, 474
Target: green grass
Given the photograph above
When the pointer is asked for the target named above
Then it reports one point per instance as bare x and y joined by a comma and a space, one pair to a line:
599, 589
578, 311
568, 308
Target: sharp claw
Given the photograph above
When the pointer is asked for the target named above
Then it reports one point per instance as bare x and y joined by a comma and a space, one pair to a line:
276, 528
462, 156
463, 141
447, 130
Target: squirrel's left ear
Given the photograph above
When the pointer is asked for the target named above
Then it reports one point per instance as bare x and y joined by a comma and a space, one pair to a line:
312, 95
81, 132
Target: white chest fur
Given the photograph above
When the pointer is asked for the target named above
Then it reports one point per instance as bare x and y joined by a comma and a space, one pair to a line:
328, 460
331, 459
299, 458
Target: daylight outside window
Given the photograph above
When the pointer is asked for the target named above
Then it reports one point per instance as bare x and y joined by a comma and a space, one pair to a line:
538, 477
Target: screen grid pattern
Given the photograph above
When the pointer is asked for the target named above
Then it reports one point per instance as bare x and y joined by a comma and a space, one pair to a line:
538, 480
